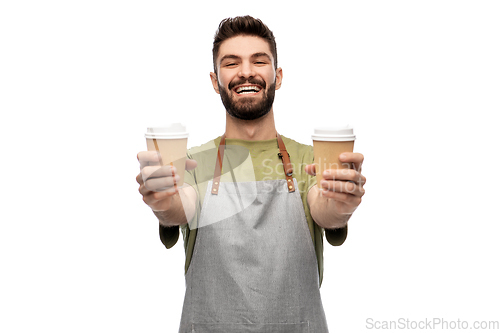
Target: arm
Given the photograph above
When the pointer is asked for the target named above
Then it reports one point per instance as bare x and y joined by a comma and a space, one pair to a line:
334, 200
181, 210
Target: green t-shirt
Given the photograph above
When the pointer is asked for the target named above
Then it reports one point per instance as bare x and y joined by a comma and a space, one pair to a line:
245, 156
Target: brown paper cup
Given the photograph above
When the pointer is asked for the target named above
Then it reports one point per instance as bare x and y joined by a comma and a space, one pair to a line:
173, 152
171, 143
326, 156
329, 143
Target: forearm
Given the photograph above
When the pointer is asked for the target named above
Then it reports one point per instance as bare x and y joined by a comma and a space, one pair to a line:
182, 208
324, 211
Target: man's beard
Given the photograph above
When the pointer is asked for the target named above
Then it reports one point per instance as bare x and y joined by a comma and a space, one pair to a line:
247, 108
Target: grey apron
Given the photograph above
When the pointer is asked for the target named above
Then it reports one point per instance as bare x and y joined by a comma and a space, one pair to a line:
255, 271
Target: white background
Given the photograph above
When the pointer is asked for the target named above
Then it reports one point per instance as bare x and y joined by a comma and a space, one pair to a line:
81, 80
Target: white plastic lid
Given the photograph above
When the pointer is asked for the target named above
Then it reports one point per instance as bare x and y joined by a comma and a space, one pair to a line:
173, 131
335, 133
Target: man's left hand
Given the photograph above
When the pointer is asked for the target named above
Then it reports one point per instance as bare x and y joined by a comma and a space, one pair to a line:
344, 186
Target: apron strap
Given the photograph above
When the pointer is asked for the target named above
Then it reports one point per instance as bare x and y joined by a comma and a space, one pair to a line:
218, 164
283, 154
287, 166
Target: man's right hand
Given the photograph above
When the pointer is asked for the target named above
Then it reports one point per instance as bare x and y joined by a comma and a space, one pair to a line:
156, 183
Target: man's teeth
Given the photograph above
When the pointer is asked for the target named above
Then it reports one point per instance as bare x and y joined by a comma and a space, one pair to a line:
247, 90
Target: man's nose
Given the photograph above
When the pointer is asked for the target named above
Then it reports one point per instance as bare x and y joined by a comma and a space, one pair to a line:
246, 70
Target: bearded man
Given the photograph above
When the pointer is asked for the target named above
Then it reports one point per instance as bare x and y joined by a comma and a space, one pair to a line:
252, 216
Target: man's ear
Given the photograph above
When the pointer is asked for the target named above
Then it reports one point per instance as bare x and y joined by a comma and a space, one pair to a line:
279, 77
215, 83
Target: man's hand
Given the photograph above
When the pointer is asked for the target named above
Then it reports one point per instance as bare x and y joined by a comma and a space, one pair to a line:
157, 184
339, 194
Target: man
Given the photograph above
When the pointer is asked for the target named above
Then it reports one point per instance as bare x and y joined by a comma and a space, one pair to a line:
250, 262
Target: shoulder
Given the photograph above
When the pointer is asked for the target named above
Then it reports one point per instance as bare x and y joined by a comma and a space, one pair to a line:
212, 144
205, 155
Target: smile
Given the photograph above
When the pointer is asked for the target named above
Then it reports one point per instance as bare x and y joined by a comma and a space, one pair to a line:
247, 90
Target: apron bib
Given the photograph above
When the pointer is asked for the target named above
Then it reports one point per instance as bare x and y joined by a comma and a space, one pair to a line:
255, 271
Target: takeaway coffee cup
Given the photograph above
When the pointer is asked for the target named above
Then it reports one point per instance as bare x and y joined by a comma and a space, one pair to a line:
171, 143
329, 143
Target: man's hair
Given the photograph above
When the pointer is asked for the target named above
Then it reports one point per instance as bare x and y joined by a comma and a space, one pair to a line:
243, 26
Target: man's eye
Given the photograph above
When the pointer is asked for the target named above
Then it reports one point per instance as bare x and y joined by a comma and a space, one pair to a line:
230, 64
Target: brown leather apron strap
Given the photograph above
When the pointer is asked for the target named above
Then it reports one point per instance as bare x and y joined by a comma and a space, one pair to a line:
283, 154
287, 166
218, 165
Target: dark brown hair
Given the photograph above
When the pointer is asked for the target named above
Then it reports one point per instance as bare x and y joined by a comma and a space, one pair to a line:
246, 26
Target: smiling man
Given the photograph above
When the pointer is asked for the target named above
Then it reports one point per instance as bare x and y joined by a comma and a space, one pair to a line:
253, 238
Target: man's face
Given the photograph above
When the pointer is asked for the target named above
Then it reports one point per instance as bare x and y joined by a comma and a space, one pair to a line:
246, 78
